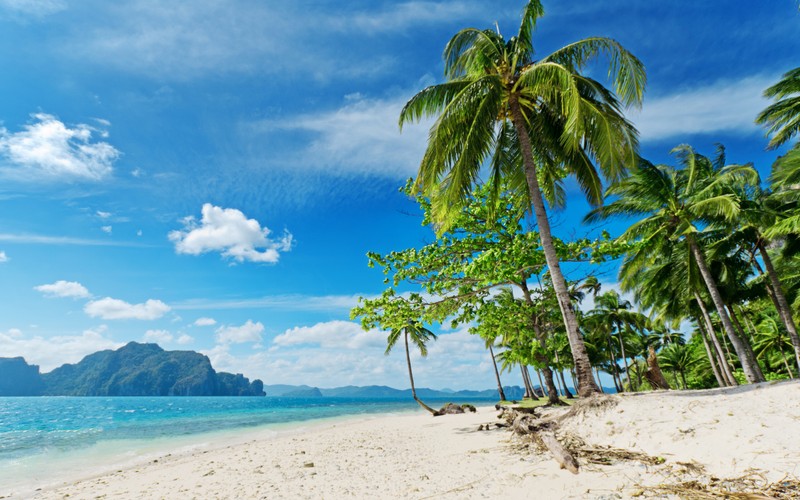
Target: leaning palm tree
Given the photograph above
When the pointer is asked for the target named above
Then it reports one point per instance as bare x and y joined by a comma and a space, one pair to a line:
675, 206
420, 336
534, 122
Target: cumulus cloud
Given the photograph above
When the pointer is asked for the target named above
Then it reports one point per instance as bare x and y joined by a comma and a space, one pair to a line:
205, 322
106, 229
63, 288
109, 308
50, 353
158, 336
248, 332
49, 149
725, 106
3, 257
331, 334
228, 231
185, 339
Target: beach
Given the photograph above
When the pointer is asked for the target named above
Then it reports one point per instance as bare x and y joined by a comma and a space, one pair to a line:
713, 440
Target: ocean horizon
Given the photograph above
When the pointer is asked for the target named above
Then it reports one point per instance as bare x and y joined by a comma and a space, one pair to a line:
47, 438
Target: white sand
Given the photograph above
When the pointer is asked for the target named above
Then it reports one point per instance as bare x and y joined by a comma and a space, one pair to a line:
723, 433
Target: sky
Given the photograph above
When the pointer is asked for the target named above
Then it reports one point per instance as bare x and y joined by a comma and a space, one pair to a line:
209, 175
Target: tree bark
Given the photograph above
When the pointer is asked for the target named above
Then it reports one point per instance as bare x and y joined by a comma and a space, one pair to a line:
583, 367
747, 345
654, 375
599, 383
751, 370
411, 378
624, 358
784, 310
723, 361
534, 396
500, 390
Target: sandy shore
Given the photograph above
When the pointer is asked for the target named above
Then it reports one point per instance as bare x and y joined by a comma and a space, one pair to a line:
750, 435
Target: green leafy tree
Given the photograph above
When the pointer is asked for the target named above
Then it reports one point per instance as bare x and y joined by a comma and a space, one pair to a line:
782, 118
534, 122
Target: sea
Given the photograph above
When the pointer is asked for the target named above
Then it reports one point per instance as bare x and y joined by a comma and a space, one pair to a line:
45, 441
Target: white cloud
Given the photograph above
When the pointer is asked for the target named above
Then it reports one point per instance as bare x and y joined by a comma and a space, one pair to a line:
63, 240
185, 339
158, 336
106, 229
331, 334
360, 137
174, 40
725, 106
3, 257
63, 288
103, 215
228, 231
248, 332
205, 322
293, 302
53, 352
109, 308
47, 149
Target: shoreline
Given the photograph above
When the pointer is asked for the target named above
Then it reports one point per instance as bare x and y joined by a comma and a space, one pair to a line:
671, 444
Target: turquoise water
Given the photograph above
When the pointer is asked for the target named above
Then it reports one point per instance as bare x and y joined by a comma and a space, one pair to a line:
43, 439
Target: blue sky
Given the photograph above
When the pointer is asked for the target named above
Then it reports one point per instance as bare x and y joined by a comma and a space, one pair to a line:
209, 175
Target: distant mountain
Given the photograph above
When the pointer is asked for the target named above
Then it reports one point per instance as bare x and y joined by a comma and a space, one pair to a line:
18, 378
384, 392
132, 370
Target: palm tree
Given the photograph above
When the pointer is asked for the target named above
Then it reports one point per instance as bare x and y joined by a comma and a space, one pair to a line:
771, 339
679, 359
420, 336
497, 99
783, 117
676, 205
617, 315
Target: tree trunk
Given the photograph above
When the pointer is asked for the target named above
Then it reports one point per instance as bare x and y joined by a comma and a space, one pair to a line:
497, 375
526, 382
583, 367
599, 383
534, 396
747, 345
654, 375
552, 392
541, 384
751, 370
614, 369
564, 391
784, 310
624, 357
683, 379
723, 361
411, 378
786, 363
711, 358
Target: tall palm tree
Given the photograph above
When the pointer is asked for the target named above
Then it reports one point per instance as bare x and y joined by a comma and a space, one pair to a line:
420, 336
677, 358
676, 205
782, 118
534, 122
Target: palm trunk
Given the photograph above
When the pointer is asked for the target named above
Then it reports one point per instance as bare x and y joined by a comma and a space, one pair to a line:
711, 358
534, 396
564, 391
723, 361
541, 384
751, 370
583, 367
683, 379
747, 344
782, 304
624, 358
567, 393
552, 392
613, 360
786, 363
600, 384
411, 378
500, 391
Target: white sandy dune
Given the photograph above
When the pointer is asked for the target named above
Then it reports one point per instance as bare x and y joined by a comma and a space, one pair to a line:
703, 439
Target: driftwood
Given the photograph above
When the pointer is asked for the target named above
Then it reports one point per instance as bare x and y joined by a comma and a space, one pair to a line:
543, 430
